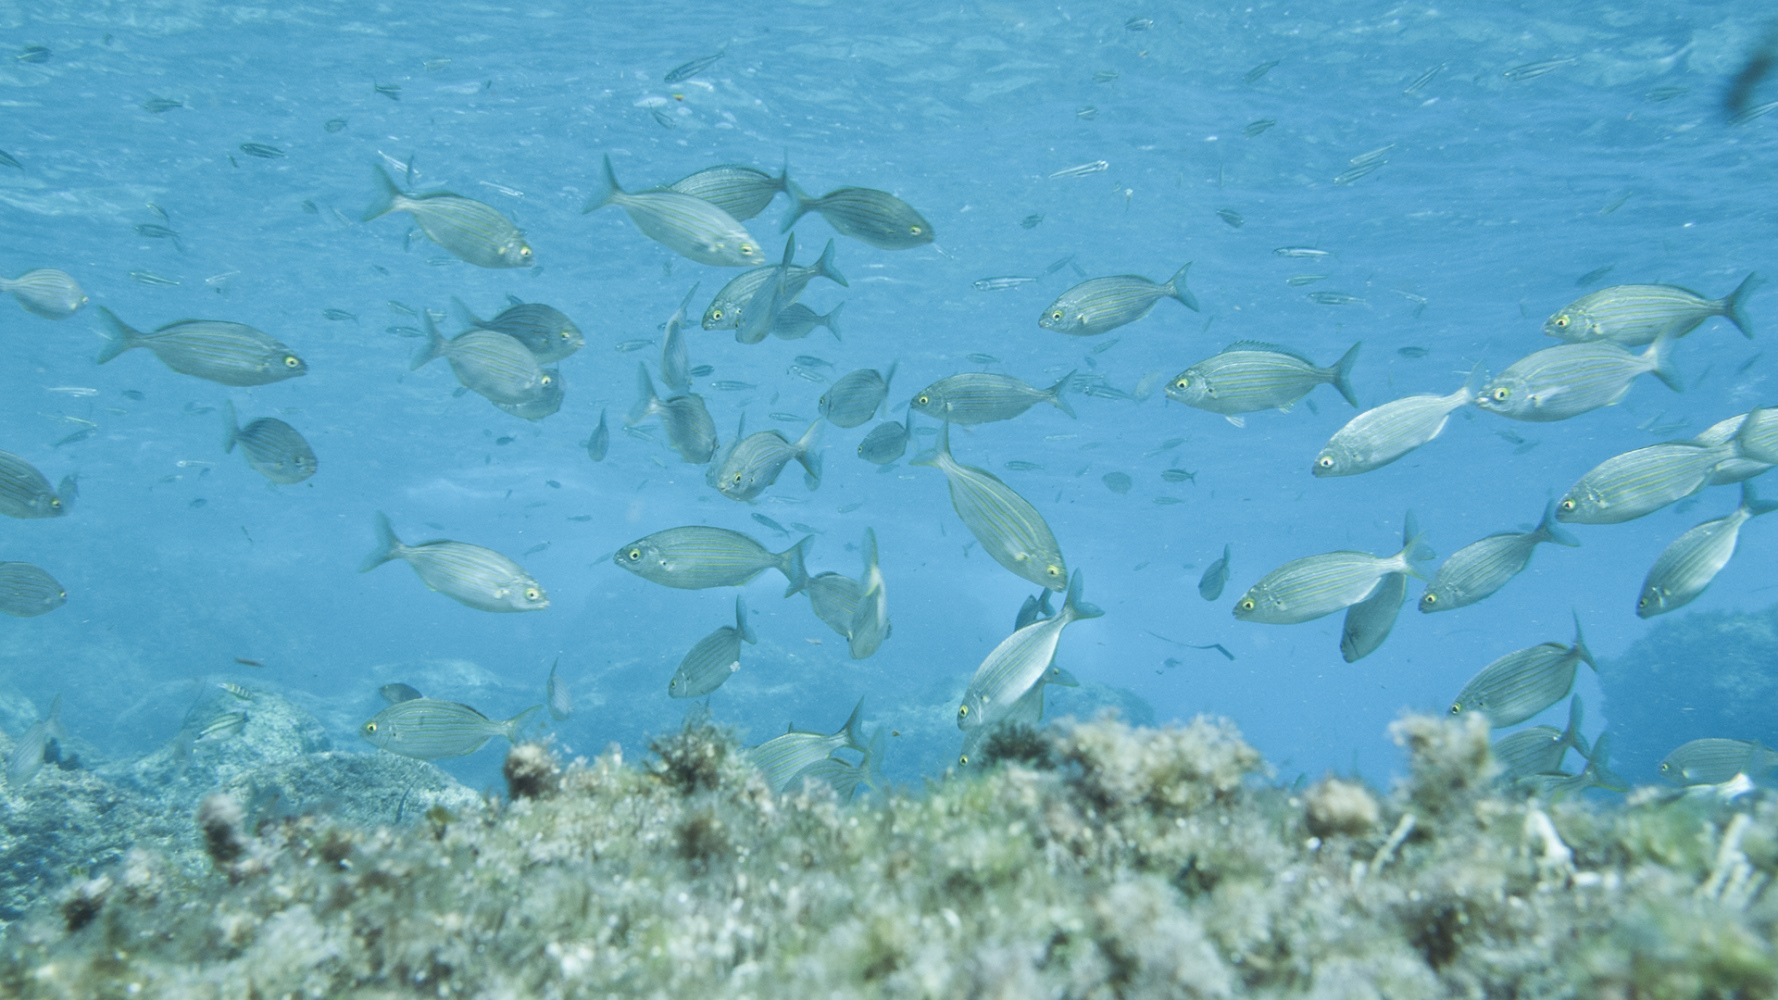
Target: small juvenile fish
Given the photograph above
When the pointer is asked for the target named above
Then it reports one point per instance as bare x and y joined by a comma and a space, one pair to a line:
472, 231
742, 192
468, 574
1413, 354
1714, 761
690, 431
1533, 70
1570, 379
1382, 434
544, 330
999, 284
865, 214
428, 729
1300, 253
1254, 74
1232, 217
1216, 576
984, 397
224, 726
338, 315
887, 441
1592, 276
556, 695
782, 759
157, 232
1638, 482
334, 124
238, 692
806, 374
1019, 466
774, 525
1178, 475
695, 558
1523, 683
754, 462
797, 321
687, 225
32, 747
1097, 166
1031, 221
1118, 482
157, 105
261, 150
6, 160
1019, 663
1480, 568
730, 385
390, 90
1685, 567
1249, 376
27, 591
45, 292
630, 346
724, 312
487, 362
687, 70
273, 448
1086, 112
854, 398
1009, 529
229, 353
1422, 80
397, 693
1308, 588
1253, 128
1333, 298
77, 436
1105, 76
714, 658
1100, 304
33, 54
1634, 315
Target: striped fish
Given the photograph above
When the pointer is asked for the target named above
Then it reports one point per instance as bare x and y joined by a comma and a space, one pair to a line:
544, 330
273, 448
1757, 436
1482, 567
1100, 304
887, 441
1369, 622
1249, 376
844, 776
1627, 486
1018, 664
753, 464
834, 599
714, 658
1540, 749
742, 192
229, 353
983, 397
489, 363
1382, 434
1734, 470
29, 751
724, 312
690, 430
1007, 526
1634, 315
796, 321
27, 591
760, 314
1596, 775
427, 728
1523, 683
45, 292
675, 355
1570, 379
557, 695
682, 223
1026, 711
1686, 567
1715, 760
787, 756
1308, 588
548, 400
854, 397
470, 230
468, 574
870, 618
695, 557
865, 214
24, 493
226, 725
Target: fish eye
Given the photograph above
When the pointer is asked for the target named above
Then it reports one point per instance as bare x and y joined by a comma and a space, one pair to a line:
1182, 383
567, 336
1665, 767
1562, 320
1456, 708
923, 400
546, 382
56, 502
737, 477
1247, 604
370, 727
963, 759
635, 554
962, 711
1324, 462
1566, 505
1642, 602
1053, 570
533, 594
914, 229
1429, 600
716, 314
524, 251
746, 248
1502, 394
292, 361
1056, 316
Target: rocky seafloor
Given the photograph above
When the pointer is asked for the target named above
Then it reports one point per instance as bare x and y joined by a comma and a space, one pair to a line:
1089, 860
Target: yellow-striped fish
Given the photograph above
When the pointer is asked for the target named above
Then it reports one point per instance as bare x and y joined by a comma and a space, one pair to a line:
1627, 486
682, 223
1687, 566
427, 728
493, 365
1570, 379
785, 757
273, 448
1100, 304
1714, 760
1305, 589
870, 617
470, 230
695, 557
1480, 568
1634, 315
1382, 434
1009, 529
1523, 683
984, 397
1540, 749
865, 214
229, 353
714, 658
46, 292
1018, 664
24, 493
742, 192
1249, 376
724, 312
468, 574
27, 591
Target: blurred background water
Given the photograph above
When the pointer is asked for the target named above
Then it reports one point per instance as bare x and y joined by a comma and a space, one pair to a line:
1503, 188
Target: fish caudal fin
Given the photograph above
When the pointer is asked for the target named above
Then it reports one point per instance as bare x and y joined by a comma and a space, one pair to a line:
121, 337
800, 204
1657, 359
931, 456
231, 429
854, 728
510, 728
824, 267
1054, 394
1580, 646
387, 193
607, 194
1175, 287
790, 563
432, 348
832, 321
807, 454
1732, 304
460, 312
388, 546
1075, 607
645, 403
1749, 500
1343, 374
1550, 531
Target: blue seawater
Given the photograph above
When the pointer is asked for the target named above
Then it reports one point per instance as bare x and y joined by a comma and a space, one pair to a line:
1501, 188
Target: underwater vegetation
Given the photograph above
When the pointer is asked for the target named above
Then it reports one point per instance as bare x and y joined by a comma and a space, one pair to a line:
1093, 860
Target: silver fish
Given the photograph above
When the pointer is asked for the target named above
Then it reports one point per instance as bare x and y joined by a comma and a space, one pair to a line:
866, 214
273, 448
1713, 761
695, 557
491, 364
470, 230
468, 574
1570, 379
690, 430
845, 777
742, 192
887, 441
1305, 589
1382, 434
714, 658
754, 462
870, 618
1216, 576
1249, 376
33, 745
1369, 621
44, 292
854, 398
557, 696
27, 591
545, 331
229, 353
675, 356
1026, 711
1687, 566
984, 397
1480, 568
687, 70
724, 312
226, 725
784, 758
398, 692
1634, 315
760, 315
1540, 749
834, 599
1523, 683
547, 401
682, 223
1627, 486
1009, 529
428, 729
1757, 437
1100, 304
1734, 470
599, 441
1019, 662
797, 321
24, 493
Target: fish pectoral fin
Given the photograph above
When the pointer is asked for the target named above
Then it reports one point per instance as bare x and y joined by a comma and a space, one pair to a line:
1237, 421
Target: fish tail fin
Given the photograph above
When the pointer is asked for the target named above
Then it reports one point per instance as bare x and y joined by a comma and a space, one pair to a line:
931, 456
1175, 287
1580, 645
1750, 500
854, 727
1061, 677
68, 491
832, 320
510, 728
1055, 393
872, 764
1553, 531
790, 563
782, 181
432, 348
1343, 373
1602, 776
465, 318
1075, 607
1411, 536
1571, 735
807, 454
824, 267
741, 626
888, 380
800, 204
1732, 303
1658, 361
1414, 551
646, 399
231, 428
388, 546
121, 337
609, 191
869, 551
387, 193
